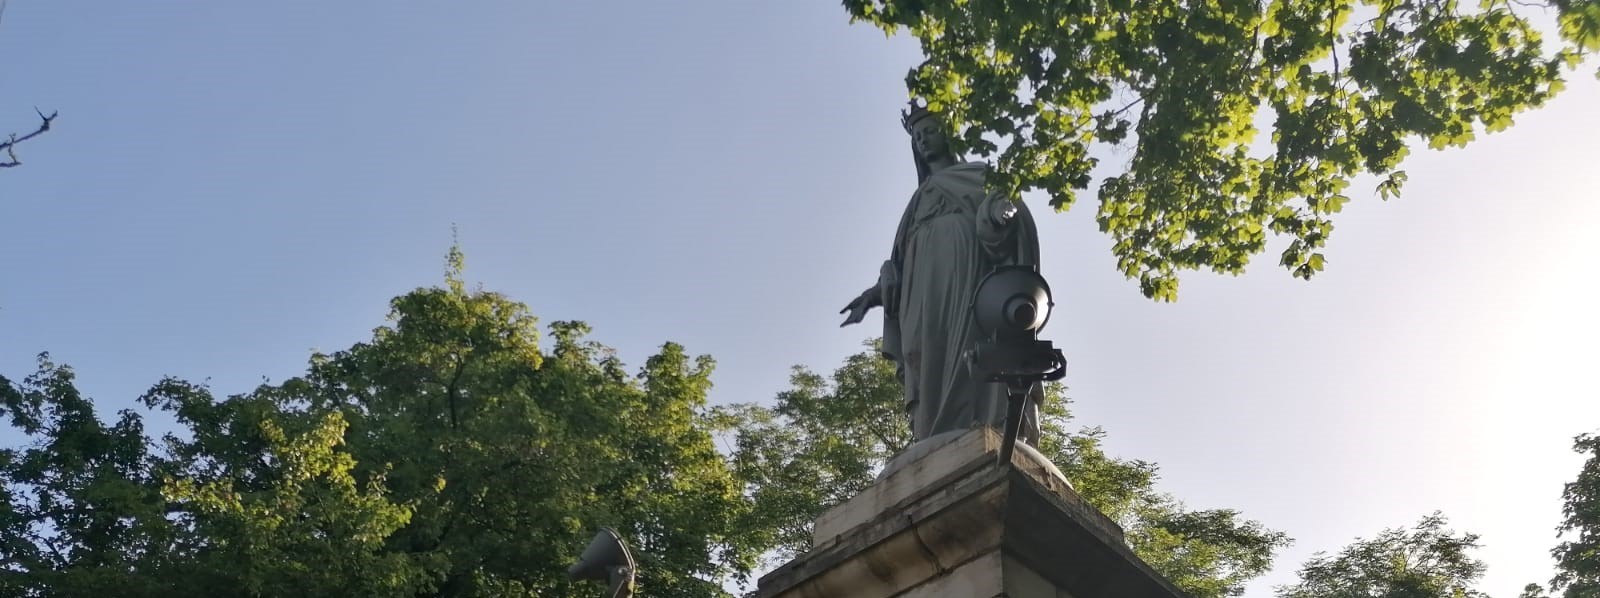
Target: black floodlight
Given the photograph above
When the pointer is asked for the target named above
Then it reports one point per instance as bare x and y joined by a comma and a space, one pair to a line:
606, 559
1012, 299
1012, 304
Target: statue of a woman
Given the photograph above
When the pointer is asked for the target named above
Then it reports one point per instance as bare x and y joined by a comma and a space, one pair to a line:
953, 233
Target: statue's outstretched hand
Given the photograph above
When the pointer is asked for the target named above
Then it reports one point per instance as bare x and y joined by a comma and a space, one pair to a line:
858, 308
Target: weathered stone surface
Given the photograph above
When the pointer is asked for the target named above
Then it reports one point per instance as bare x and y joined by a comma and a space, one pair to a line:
954, 457
992, 575
954, 523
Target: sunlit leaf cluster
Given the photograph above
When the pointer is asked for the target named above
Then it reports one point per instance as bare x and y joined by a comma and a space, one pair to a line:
1180, 90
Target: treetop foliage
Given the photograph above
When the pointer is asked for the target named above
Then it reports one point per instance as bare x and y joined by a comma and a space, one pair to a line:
1578, 555
1187, 84
1426, 561
450, 455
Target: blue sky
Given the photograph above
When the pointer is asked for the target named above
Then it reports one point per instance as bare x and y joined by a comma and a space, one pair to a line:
232, 185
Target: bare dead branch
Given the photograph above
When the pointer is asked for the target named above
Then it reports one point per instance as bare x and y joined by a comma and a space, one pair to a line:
10, 145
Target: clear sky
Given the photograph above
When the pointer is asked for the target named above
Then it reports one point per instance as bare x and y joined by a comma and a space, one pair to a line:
231, 185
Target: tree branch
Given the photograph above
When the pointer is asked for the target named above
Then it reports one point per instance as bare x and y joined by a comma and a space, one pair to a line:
1118, 112
452, 391
1333, 41
10, 146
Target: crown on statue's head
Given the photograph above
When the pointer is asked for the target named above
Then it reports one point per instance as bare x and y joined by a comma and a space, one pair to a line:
909, 117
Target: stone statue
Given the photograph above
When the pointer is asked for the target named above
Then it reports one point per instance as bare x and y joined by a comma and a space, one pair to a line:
954, 232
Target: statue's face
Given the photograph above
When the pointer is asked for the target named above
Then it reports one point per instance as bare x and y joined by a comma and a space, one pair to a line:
929, 139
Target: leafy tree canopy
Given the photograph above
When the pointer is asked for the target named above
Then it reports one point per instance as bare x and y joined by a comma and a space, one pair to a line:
1187, 84
1578, 556
1425, 561
450, 455
83, 513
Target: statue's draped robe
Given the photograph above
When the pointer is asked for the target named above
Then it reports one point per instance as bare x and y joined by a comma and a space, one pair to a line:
947, 242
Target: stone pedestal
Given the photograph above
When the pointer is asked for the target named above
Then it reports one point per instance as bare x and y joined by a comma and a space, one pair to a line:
953, 523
